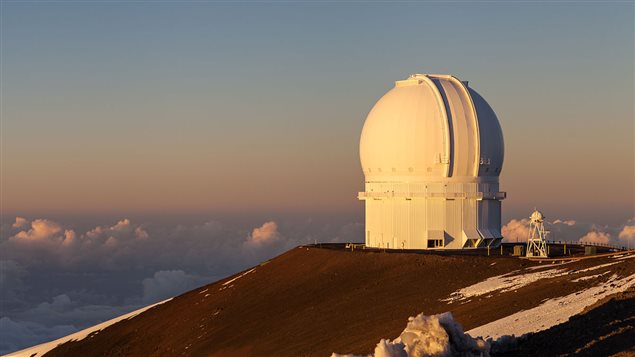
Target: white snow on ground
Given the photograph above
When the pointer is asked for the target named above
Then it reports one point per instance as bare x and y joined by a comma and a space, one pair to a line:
619, 257
238, 277
595, 267
505, 282
440, 335
553, 311
436, 335
589, 277
513, 281
43, 348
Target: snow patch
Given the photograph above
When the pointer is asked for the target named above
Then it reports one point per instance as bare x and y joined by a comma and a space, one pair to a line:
238, 277
436, 335
513, 281
43, 348
594, 267
553, 311
504, 283
589, 277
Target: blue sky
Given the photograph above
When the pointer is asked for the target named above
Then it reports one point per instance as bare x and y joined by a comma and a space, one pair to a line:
103, 94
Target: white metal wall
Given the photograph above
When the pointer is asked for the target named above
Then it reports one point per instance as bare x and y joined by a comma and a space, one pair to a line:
405, 216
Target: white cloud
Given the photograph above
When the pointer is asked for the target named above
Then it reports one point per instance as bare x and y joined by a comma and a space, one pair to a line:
211, 246
111, 242
122, 226
122, 230
140, 233
95, 232
41, 229
568, 230
102, 269
516, 230
596, 237
569, 222
627, 234
264, 235
70, 237
54, 236
20, 222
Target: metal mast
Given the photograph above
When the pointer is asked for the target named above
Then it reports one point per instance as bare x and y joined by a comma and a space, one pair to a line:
536, 242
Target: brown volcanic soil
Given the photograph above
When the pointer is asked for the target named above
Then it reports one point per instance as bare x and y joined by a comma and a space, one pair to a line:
312, 302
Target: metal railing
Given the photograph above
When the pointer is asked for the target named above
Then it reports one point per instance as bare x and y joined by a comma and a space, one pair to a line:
353, 246
594, 244
476, 195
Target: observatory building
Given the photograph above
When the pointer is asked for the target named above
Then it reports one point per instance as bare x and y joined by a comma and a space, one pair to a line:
431, 150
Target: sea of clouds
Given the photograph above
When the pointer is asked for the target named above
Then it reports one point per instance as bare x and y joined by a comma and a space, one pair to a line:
56, 279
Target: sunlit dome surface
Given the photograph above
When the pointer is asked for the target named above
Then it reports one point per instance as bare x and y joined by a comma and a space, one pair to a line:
429, 127
432, 152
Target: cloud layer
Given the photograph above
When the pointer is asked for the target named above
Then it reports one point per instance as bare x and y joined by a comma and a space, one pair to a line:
167, 283
57, 278
572, 231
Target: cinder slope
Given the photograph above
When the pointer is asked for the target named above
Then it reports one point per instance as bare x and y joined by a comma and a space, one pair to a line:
607, 329
311, 302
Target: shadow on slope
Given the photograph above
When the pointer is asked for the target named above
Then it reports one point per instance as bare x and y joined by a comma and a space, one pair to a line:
607, 329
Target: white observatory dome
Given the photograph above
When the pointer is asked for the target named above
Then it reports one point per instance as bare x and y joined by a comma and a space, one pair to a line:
432, 150
429, 127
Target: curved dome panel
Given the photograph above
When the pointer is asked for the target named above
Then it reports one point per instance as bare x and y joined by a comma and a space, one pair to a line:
463, 126
491, 141
431, 127
405, 133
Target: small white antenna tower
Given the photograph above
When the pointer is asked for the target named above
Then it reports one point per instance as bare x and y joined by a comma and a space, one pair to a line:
537, 243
